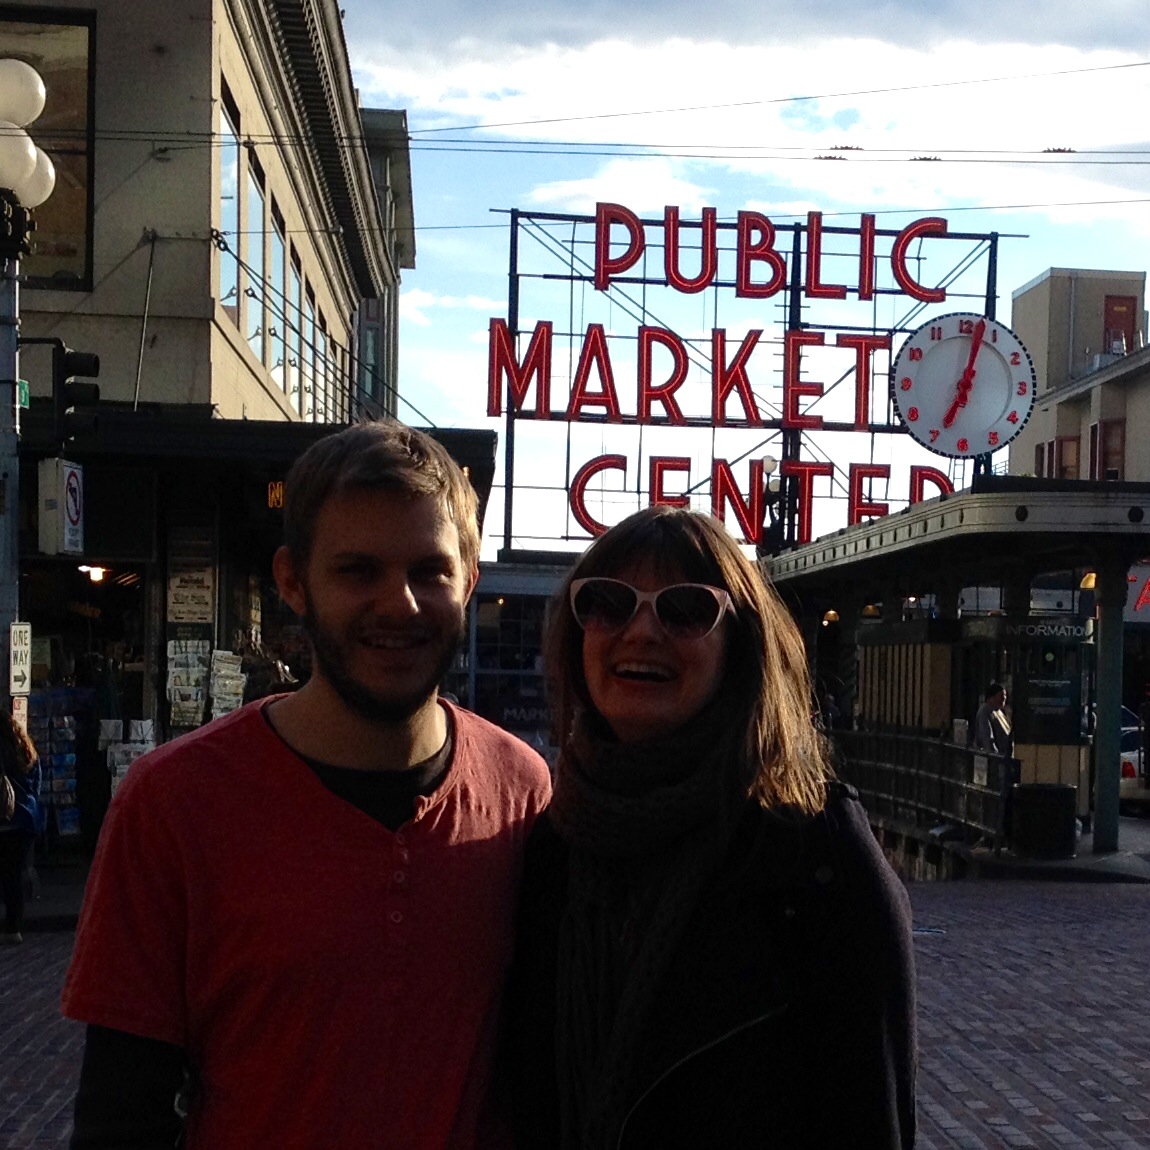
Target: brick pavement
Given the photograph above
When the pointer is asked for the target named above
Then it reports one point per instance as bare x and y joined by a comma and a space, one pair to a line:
1033, 1017
39, 1050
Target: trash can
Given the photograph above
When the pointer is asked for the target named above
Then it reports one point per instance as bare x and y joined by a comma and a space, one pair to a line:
1044, 822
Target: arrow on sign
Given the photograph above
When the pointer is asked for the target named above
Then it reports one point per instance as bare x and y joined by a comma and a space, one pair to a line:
19, 677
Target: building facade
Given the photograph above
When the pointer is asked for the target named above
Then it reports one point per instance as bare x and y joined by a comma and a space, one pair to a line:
227, 235
1086, 332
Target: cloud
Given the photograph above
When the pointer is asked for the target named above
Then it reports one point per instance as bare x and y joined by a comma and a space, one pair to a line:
644, 185
442, 26
416, 302
703, 115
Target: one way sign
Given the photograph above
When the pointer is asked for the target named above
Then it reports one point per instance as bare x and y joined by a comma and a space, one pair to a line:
20, 659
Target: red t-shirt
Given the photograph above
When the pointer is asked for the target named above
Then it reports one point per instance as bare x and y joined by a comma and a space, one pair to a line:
335, 984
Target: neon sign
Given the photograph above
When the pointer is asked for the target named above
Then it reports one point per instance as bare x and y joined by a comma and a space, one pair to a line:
656, 388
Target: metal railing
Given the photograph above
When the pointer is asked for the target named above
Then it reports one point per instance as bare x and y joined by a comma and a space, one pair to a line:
928, 783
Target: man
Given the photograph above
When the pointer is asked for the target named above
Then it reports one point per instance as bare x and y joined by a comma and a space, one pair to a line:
299, 917
991, 726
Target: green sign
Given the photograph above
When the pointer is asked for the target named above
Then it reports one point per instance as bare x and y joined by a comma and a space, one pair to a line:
21, 393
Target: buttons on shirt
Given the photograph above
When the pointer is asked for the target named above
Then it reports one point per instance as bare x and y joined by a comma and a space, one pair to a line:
399, 876
396, 917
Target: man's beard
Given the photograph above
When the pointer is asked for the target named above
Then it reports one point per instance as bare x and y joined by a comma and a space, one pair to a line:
332, 662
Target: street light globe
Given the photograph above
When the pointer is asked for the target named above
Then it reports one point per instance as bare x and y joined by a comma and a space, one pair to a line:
22, 92
769, 464
774, 485
17, 155
39, 184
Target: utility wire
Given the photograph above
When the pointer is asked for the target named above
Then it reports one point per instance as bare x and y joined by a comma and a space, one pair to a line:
793, 99
281, 313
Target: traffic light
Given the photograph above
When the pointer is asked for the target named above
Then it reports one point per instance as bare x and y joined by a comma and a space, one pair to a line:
74, 401
16, 225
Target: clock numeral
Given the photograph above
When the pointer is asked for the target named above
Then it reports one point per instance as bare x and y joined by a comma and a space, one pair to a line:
992, 439
1013, 417
912, 415
966, 327
1023, 387
962, 445
935, 334
994, 335
906, 383
915, 354
933, 434
1015, 358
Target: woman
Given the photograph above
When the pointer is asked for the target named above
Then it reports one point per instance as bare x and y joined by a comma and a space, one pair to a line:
713, 951
22, 768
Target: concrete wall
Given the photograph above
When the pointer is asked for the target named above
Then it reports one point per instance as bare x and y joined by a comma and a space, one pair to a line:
153, 70
160, 68
1060, 317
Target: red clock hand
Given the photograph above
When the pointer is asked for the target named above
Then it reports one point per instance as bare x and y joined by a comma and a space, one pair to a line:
967, 381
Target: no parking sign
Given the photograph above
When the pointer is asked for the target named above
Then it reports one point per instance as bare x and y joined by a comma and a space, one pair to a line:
61, 507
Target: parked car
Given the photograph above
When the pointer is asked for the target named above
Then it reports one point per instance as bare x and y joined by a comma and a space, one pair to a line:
1133, 787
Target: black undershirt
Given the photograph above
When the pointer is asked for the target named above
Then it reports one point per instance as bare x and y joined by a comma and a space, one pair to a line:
386, 796
128, 1084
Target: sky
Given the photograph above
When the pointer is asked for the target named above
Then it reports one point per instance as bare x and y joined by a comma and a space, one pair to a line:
557, 107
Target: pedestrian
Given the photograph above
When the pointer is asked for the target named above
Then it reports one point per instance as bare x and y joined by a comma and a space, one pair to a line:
991, 726
713, 951
300, 917
21, 767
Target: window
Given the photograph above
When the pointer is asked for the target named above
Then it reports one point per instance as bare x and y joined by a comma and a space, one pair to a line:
323, 372
294, 321
1113, 454
229, 213
309, 357
1039, 460
277, 311
61, 47
1066, 457
256, 292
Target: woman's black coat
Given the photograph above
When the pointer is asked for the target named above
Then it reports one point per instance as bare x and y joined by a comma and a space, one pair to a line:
786, 1016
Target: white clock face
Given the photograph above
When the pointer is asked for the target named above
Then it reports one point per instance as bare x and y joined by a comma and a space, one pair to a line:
963, 385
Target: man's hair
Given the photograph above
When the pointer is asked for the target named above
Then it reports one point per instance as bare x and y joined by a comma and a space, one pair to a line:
993, 689
377, 456
774, 749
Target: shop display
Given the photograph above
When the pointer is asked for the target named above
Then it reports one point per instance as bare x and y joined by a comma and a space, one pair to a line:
227, 683
188, 666
55, 720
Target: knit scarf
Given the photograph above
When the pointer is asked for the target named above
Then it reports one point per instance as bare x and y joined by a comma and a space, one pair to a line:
646, 826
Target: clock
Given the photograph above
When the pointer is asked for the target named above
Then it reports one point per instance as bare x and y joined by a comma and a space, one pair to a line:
963, 385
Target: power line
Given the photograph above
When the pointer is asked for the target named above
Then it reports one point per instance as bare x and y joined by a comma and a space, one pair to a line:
790, 99
333, 345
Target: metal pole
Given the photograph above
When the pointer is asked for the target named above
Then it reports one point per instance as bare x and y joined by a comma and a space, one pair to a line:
1110, 596
792, 437
509, 435
9, 456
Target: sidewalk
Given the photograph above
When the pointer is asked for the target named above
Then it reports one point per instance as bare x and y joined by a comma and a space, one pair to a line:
62, 879
1130, 863
55, 904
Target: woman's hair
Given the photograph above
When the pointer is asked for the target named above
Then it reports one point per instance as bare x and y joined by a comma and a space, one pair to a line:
16, 749
780, 756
